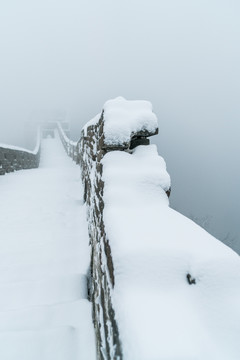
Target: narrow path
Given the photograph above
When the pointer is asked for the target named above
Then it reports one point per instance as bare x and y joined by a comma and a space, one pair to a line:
44, 258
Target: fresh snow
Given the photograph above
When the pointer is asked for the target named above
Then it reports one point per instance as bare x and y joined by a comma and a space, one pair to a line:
124, 117
159, 314
44, 259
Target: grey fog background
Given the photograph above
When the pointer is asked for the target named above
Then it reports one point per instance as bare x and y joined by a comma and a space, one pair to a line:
182, 55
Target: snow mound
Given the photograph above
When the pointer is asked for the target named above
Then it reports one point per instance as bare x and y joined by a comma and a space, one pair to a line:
143, 168
122, 118
177, 288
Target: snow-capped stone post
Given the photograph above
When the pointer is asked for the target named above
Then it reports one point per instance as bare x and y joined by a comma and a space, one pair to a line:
13, 158
121, 127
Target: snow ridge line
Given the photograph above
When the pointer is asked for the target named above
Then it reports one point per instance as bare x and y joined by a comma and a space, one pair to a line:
13, 158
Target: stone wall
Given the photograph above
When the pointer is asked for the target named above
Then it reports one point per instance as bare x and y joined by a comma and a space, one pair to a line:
91, 148
13, 158
89, 151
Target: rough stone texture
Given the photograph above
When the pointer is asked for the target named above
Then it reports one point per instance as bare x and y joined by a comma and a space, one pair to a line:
89, 151
102, 270
14, 159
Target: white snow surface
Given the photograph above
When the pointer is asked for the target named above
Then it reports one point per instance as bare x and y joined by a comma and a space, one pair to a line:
124, 117
161, 316
44, 259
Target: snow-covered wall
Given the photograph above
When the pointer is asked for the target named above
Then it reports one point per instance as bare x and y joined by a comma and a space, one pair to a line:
126, 120
161, 286
102, 269
122, 129
13, 158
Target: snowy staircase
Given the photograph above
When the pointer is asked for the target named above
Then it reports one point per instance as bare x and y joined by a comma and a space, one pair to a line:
44, 257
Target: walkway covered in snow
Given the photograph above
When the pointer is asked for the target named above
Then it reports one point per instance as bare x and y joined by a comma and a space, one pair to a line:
44, 258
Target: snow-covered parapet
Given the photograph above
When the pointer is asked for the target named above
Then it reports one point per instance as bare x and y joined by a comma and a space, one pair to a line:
125, 120
161, 286
127, 123
14, 158
176, 288
122, 125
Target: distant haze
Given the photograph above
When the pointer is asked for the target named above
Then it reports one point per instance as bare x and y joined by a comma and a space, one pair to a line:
182, 55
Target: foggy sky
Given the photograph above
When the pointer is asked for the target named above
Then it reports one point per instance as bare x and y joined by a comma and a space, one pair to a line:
182, 55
